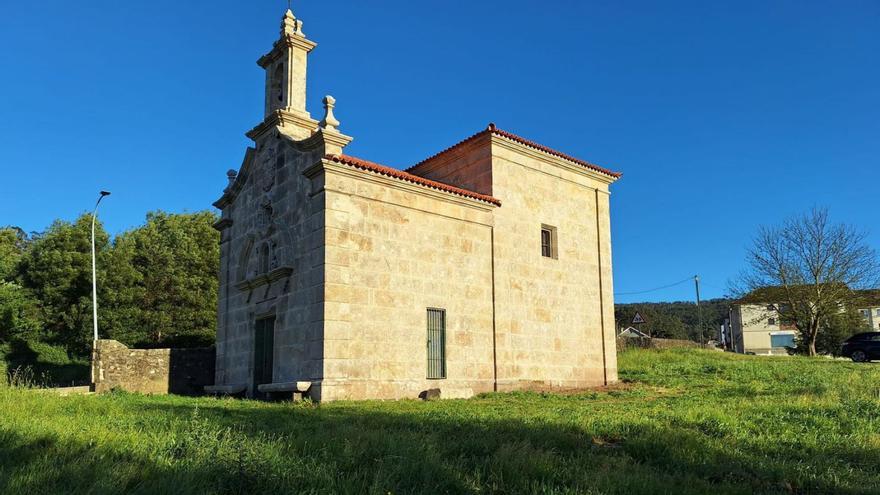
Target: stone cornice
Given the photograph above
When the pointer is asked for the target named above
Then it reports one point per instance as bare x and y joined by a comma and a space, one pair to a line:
320, 140
282, 119
334, 141
223, 224
522, 149
288, 41
310, 144
329, 166
232, 191
267, 278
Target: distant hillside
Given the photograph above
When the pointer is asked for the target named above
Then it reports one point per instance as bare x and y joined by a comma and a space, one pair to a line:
675, 320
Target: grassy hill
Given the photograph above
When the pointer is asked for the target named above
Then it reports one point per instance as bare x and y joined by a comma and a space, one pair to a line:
683, 422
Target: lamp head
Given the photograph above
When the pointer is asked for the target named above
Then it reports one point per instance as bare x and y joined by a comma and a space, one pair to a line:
105, 193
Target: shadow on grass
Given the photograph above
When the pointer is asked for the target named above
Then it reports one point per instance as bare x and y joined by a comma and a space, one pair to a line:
47, 465
210, 447
22, 355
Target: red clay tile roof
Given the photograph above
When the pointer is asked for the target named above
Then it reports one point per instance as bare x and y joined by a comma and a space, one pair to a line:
406, 176
521, 140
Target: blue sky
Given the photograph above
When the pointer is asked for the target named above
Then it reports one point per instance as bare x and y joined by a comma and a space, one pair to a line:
722, 115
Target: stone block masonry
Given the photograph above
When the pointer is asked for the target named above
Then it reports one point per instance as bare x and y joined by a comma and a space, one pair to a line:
370, 282
152, 371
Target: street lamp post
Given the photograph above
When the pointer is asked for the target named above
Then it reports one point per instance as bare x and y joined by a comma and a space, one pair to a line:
95, 285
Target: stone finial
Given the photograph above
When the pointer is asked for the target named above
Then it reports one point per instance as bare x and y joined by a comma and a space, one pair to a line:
290, 25
231, 175
328, 129
329, 123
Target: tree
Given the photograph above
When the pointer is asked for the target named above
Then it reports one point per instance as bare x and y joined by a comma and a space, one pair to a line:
56, 269
835, 330
675, 320
13, 242
18, 308
19, 316
809, 269
163, 290
659, 324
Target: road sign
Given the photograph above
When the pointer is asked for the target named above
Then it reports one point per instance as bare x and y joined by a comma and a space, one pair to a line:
637, 319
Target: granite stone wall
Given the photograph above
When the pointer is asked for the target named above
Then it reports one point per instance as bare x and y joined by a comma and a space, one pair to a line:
394, 250
554, 315
152, 371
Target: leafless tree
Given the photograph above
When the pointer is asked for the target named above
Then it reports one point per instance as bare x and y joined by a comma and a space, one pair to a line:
810, 269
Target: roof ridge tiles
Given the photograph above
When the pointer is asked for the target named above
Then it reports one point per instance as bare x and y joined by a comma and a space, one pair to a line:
492, 129
408, 177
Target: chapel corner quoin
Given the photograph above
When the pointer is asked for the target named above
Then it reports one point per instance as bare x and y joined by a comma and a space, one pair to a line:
485, 267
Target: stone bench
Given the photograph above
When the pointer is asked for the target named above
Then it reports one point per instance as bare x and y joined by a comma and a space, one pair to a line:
224, 390
298, 390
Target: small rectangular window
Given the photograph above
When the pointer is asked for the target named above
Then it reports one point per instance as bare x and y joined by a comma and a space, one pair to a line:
548, 242
436, 344
771, 321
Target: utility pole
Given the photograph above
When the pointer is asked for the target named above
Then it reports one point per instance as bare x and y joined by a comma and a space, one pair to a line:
699, 309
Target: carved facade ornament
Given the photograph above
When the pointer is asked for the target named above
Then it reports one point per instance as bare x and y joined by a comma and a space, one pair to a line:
264, 217
273, 255
267, 168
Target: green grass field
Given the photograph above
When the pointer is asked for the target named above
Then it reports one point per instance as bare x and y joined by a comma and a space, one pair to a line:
683, 422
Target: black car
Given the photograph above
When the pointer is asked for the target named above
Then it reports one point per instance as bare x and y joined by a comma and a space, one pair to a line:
862, 347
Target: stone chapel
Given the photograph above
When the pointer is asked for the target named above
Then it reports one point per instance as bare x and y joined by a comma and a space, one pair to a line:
484, 267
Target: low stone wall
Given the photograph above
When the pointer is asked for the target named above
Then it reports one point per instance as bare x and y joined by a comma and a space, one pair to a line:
629, 343
152, 371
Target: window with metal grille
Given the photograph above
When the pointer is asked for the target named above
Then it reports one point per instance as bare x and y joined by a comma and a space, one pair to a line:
436, 343
548, 241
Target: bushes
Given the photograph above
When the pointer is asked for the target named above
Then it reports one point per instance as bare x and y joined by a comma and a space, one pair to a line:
42, 364
4, 369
